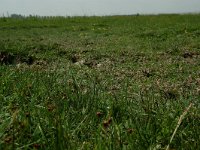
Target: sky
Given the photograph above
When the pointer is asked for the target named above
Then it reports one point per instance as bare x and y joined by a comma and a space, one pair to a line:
96, 7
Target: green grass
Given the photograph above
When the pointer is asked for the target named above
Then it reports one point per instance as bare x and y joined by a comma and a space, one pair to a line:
116, 82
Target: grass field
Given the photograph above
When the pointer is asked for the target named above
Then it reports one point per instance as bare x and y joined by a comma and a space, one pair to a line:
115, 82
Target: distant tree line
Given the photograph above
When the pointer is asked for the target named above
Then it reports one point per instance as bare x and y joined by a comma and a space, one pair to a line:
17, 16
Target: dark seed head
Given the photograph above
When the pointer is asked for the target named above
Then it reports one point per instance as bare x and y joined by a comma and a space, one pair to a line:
99, 114
105, 124
130, 130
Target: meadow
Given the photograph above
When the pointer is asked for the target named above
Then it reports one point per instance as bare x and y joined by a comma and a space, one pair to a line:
111, 82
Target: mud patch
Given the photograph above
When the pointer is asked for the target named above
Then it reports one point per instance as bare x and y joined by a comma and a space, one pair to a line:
6, 58
91, 63
188, 54
74, 58
13, 59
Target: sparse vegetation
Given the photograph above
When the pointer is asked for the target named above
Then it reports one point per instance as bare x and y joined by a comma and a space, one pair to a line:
118, 82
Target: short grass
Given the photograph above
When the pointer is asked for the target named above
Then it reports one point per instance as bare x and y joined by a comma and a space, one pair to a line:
116, 82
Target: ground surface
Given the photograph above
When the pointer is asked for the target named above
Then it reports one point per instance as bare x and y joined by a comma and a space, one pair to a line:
120, 82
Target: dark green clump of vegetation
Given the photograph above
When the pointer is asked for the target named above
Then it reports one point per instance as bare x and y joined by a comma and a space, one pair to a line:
116, 82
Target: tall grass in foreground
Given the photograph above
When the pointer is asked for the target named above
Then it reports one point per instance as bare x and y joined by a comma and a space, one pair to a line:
48, 110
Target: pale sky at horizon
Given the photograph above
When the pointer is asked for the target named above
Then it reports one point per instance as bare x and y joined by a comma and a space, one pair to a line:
96, 7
